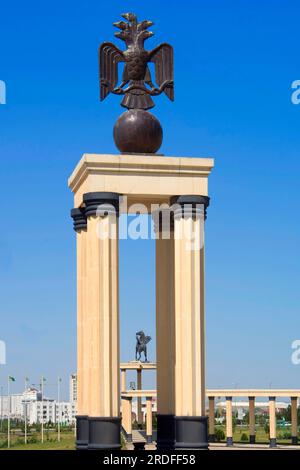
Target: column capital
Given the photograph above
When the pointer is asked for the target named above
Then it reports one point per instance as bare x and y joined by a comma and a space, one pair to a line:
79, 219
228, 398
109, 202
272, 398
190, 204
124, 397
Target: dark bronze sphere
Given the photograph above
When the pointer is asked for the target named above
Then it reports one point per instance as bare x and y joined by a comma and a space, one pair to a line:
138, 131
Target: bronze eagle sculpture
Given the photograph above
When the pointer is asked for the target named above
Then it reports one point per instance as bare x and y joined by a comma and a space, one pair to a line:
137, 85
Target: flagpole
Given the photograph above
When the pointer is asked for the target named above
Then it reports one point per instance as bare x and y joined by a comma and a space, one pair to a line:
58, 401
8, 420
1, 408
42, 414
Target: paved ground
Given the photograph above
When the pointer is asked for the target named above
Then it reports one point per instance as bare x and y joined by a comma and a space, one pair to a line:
138, 436
221, 446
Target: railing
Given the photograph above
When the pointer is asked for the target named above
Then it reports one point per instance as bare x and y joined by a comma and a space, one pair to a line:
127, 397
251, 395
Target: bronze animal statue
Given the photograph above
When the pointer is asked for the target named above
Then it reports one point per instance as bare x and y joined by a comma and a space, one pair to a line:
141, 345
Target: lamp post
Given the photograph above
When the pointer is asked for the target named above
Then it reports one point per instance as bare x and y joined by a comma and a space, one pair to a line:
25, 409
42, 390
9, 379
1, 408
8, 417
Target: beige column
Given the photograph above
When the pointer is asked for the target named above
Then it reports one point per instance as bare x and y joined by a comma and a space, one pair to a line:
139, 400
149, 419
229, 434
211, 418
127, 417
103, 308
82, 324
252, 420
272, 421
80, 226
294, 417
191, 420
165, 329
123, 380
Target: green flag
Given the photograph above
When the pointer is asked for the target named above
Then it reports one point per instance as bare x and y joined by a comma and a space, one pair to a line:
12, 379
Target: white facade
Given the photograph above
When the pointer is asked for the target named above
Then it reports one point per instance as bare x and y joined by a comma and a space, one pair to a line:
53, 412
73, 388
30, 402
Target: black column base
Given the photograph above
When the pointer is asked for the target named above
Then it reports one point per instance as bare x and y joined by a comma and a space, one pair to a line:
104, 433
294, 440
82, 432
212, 438
229, 441
273, 442
165, 432
191, 432
139, 446
252, 439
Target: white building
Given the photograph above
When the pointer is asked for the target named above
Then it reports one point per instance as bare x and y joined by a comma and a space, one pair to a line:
53, 412
73, 388
30, 403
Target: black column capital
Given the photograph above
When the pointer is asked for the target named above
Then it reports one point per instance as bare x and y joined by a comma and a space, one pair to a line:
79, 219
191, 203
107, 201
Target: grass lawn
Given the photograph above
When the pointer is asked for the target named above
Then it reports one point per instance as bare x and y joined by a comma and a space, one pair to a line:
67, 442
261, 436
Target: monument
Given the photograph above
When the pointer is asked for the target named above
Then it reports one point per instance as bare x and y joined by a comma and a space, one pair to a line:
141, 345
175, 191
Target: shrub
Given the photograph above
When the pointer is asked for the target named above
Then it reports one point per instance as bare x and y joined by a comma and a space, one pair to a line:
244, 437
33, 439
267, 428
3, 444
219, 435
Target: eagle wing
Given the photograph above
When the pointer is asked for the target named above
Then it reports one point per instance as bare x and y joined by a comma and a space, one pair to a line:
109, 57
162, 57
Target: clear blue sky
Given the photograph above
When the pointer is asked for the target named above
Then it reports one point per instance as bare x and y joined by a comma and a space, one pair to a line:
234, 65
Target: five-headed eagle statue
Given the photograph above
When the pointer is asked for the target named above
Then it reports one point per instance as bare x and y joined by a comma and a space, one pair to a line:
137, 85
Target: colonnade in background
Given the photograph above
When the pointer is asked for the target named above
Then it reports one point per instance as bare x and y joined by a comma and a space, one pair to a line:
272, 416
127, 416
127, 397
